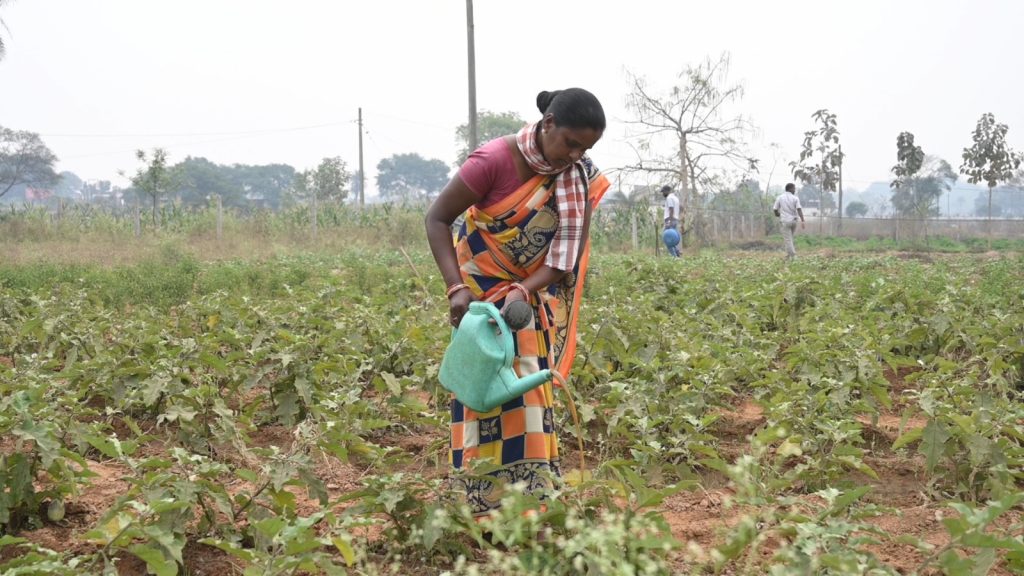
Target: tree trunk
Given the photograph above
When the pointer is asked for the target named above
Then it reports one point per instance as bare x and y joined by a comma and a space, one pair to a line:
989, 223
684, 176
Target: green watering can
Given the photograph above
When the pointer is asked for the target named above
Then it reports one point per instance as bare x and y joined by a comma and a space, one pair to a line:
477, 366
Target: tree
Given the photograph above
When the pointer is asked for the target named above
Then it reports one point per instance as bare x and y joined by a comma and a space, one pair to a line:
856, 209
918, 193
990, 159
69, 185
263, 185
25, 160
3, 48
410, 176
328, 181
691, 117
155, 179
199, 179
489, 125
821, 157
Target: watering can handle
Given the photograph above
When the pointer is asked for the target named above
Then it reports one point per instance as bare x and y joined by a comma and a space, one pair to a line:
500, 325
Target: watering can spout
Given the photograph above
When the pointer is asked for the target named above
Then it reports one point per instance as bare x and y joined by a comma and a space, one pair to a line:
520, 386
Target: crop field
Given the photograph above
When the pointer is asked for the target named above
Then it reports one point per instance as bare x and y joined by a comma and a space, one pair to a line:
846, 414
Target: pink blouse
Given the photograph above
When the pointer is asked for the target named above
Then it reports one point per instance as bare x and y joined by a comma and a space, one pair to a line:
490, 172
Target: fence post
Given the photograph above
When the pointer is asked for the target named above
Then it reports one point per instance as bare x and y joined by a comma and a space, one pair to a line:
312, 206
137, 218
657, 238
634, 230
220, 218
714, 228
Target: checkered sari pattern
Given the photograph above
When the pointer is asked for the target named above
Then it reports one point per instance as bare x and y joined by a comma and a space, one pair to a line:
498, 245
571, 198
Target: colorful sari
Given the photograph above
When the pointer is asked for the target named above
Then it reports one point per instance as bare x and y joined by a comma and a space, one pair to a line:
498, 245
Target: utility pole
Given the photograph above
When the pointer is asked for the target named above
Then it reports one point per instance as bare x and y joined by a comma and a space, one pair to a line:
472, 76
362, 175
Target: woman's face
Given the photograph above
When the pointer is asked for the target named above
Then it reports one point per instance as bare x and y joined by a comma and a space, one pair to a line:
563, 146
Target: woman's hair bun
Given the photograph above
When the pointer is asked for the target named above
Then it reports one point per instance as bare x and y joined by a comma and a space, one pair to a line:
544, 100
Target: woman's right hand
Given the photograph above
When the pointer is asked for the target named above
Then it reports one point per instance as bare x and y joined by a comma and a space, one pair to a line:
459, 305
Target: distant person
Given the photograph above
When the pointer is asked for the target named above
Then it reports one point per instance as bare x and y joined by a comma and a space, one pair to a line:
670, 234
787, 208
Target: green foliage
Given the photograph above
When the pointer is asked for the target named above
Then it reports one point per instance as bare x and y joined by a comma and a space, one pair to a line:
410, 177
489, 125
24, 159
856, 210
990, 159
821, 155
328, 182
155, 179
223, 388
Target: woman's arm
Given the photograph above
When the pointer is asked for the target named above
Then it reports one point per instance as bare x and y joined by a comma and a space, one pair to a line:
546, 275
455, 199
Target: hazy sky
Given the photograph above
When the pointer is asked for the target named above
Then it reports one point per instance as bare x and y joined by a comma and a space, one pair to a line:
257, 81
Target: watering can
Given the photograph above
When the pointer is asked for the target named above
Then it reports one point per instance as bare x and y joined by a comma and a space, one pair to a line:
477, 366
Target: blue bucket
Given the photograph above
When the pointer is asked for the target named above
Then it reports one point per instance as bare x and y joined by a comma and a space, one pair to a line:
671, 237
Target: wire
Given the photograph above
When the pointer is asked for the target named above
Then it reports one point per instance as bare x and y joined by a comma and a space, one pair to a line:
189, 134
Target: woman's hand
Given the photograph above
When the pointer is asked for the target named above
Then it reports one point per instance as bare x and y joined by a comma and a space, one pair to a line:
459, 305
512, 296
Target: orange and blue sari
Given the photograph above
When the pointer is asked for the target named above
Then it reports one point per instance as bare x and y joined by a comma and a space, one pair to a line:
496, 246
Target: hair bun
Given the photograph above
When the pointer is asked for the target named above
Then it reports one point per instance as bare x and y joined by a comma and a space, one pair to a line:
544, 100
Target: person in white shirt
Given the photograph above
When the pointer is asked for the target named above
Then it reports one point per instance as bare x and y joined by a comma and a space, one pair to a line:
671, 216
787, 208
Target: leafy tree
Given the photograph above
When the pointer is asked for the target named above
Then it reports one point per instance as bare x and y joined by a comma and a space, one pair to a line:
856, 209
264, 185
690, 118
909, 158
489, 125
198, 179
410, 176
918, 194
155, 179
68, 185
820, 157
328, 181
25, 160
990, 159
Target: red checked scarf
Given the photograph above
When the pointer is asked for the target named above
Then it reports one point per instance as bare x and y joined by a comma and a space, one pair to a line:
571, 196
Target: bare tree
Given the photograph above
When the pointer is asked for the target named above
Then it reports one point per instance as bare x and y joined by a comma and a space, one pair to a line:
692, 119
3, 27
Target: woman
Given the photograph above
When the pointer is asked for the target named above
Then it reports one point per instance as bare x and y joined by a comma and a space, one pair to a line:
528, 199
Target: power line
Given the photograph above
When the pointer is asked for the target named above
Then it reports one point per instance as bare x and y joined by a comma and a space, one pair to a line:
192, 134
